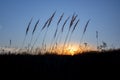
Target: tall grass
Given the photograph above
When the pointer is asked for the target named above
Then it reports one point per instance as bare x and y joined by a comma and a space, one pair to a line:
27, 29
58, 25
29, 45
70, 25
57, 34
73, 31
10, 43
56, 31
85, 28
35, 27
49, 22
36, 39
97, 40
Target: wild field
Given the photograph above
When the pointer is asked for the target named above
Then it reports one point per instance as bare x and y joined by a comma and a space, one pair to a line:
52, 63
60, 57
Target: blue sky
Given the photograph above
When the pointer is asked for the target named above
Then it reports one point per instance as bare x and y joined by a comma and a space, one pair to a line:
104, 14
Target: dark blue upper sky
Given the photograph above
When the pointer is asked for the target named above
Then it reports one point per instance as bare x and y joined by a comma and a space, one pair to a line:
104, 14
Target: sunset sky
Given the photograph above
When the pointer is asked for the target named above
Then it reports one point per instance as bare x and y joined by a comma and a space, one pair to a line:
104, 14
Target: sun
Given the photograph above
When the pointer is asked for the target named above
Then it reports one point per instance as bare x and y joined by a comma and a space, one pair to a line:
71, 50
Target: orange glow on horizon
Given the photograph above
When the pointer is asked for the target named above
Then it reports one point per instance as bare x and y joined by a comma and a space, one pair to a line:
71, 50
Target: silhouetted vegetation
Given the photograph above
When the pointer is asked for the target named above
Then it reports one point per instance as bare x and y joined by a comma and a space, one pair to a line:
47, 62
57, 63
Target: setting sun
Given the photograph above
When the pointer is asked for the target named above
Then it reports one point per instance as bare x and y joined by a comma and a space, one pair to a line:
71, 50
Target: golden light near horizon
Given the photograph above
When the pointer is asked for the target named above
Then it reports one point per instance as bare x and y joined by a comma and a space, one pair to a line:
71, 49
64, 32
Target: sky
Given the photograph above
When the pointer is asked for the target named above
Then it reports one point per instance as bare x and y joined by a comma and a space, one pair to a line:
104, 17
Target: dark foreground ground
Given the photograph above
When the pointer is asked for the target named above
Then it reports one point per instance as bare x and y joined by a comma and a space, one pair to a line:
61, 65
